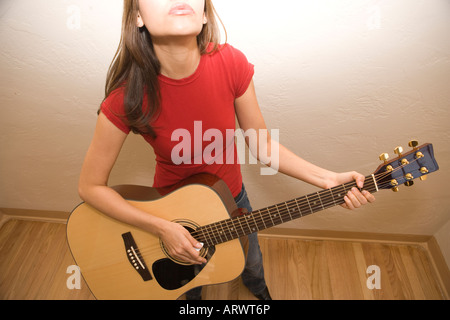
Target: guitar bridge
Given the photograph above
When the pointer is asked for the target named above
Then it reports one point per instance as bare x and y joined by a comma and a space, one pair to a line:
135, 258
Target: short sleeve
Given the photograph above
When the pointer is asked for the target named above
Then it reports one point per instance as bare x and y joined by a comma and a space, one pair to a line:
243, 71
113, 108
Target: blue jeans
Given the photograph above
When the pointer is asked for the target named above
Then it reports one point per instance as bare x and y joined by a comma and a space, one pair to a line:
253, 274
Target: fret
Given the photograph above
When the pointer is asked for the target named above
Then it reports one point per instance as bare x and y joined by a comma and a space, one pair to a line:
270, 216
240, 224
201, 235
309, 204
275, 216
225, 226
293, 212
312, 201
332, 196
281, 218
262, 219
218, 232
250, 224
345, 190
232, 229
208, 238
288, 211
298, 207
256, 228
213, 233
246, 221
223, 231
318, 196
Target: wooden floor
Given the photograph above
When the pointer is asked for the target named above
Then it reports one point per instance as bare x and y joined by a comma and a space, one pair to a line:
34, 258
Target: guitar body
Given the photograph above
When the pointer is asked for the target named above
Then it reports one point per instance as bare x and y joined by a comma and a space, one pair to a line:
119, 261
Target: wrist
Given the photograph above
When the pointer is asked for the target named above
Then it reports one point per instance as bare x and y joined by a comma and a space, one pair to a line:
330, 180
155, 225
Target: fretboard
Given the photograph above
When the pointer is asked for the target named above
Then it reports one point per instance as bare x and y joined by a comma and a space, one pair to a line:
272, 216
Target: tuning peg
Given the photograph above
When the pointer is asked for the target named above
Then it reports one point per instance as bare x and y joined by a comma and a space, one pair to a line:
384, 157
413, 144
395, 189
398, 151
424, 171
409, 183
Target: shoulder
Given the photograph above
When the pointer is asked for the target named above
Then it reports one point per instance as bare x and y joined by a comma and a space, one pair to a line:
113, 108
234, 65
115, 98
229, 53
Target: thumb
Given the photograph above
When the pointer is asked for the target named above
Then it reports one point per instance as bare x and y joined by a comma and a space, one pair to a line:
359, 178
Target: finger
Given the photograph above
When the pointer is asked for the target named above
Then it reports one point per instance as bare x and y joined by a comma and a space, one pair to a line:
194, 250
348, 203
370, 197
345, 206
359, 179
189, 255
195, 257
192, 253
359, 196
195, 254
354, 202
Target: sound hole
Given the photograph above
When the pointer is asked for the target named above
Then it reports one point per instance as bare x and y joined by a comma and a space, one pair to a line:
171, 273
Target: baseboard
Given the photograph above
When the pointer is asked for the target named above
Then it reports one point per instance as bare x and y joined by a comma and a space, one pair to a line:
440, 264
345, 235
7, 214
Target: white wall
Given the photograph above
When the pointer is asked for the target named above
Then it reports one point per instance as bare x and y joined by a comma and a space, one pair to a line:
343, 81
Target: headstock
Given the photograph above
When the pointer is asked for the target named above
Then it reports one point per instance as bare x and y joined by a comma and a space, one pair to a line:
417, 163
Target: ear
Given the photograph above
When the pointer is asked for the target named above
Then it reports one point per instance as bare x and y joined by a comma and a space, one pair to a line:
139, 21
205, 18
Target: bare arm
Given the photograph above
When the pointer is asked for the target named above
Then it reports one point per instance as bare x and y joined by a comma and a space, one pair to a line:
100, 159
250, 117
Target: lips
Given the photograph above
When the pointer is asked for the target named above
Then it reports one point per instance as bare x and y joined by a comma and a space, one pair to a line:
180, 9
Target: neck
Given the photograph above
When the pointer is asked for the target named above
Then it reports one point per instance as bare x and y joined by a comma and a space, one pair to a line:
259, 220
179, 57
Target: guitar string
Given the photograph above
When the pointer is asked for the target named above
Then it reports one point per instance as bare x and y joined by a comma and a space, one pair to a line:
289, 212
256, 221
289, 208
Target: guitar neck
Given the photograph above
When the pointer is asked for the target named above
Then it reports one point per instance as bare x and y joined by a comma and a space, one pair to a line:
272, 216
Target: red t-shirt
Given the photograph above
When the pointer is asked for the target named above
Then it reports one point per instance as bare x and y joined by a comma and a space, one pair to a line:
195, 129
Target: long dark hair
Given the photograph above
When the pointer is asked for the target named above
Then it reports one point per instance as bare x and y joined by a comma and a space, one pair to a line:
135, 66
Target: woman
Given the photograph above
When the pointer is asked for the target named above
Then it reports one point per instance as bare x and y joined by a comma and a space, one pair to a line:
170, 73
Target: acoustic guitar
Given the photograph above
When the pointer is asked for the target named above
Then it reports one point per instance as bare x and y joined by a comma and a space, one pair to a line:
119, 261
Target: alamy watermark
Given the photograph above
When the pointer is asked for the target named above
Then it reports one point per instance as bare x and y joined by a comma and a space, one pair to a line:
374, 280
73, 21
74, 280
220, 147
